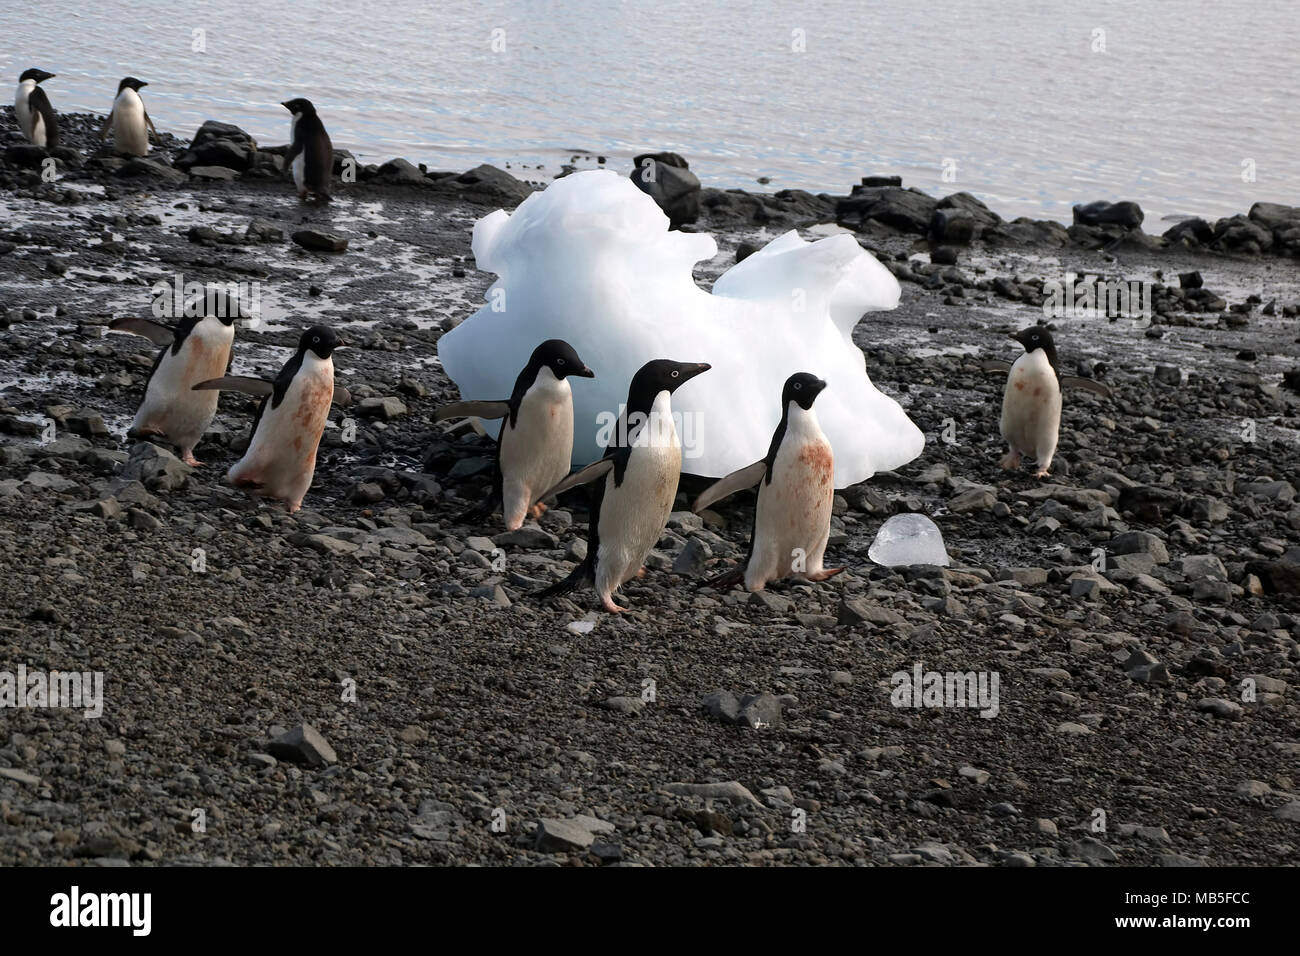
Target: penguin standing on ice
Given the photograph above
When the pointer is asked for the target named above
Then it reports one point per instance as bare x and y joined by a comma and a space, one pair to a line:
1031, 402
796, 486
196, 350
536, 441
640, 470
281, 456
311, 154
129, 120
33, 111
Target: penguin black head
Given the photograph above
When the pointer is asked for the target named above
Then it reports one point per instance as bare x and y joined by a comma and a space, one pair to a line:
40, 76
660, 375
131, 83
802, 388
1036, 337
299, 107
319, 340
559, 356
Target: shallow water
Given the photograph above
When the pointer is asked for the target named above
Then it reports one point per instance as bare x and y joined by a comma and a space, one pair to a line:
1015, 100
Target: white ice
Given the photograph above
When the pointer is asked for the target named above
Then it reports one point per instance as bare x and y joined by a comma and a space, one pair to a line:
907, 539
591, 260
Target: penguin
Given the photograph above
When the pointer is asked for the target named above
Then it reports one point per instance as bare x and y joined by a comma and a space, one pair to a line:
281, 456
796, 485
536, 440
1031, 402
195, 350
129, 120
311, 154
640, 470
33, 111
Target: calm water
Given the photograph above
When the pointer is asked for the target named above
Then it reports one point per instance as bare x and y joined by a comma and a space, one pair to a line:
1031, 117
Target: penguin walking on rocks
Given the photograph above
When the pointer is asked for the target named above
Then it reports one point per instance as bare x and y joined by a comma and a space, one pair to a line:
796, 486
195, 350
129, 120
33, 111
639, 473
1031, 402
281, 456
536, 441
311, 154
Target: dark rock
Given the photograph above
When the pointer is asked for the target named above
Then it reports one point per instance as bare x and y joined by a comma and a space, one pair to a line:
1101, 213
666, 178
322, 241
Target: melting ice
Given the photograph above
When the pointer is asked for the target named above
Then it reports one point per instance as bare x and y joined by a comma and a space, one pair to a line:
908, 539
591, 260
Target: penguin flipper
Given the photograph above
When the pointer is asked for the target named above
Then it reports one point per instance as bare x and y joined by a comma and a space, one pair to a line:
593, 471
236, 383
40, 103
743, 478
103, 130
577, 577
159, 335
472, 410
1087, 384
156, 138
995, 365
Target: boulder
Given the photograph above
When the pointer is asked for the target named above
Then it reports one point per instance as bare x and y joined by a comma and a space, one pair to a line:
1102, 213
667, 179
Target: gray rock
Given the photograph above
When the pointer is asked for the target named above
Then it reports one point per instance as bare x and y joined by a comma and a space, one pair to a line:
305, 745
562, 836
320, 241
760, 711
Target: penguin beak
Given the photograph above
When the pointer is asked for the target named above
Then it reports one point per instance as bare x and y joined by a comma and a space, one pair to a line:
284, 103
584, 372
690, 371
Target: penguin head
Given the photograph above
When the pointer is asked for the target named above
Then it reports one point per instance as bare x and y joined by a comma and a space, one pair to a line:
664, 375
802, 388
299, 107
559, 356
40, 76
320, 341
1035, 337
131, 83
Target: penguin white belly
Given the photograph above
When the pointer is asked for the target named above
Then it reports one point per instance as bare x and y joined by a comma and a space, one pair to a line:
1031, 408
23, 110
536, 452
171, 407
634, 514
130, 135
299, 164
793, 519
281, 458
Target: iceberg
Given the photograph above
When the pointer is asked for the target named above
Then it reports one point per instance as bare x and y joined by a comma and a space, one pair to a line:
591, 260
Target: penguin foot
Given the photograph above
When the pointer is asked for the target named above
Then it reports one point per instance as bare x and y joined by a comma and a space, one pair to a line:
611, 607
1011, 460
1041, 473
189, 459
537, 510
641, 572
824, 574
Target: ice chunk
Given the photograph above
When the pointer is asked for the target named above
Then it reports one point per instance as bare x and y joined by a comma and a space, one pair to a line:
591, 260
908, 539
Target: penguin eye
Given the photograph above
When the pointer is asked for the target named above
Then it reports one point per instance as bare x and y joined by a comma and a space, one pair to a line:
315, 340
675, 374
559, 361
797, 386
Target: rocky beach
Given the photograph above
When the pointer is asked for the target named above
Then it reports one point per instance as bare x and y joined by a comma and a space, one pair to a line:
368, 682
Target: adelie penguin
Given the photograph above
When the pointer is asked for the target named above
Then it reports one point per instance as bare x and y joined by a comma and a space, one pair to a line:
1031, 402
33, 111
281, 456
311, 154
195, 350
796, 486
637, 485
536, 441
129, 120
